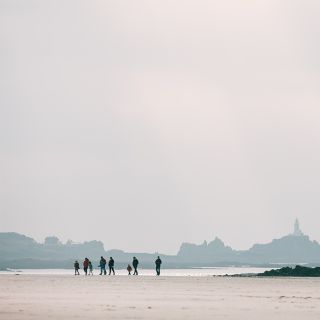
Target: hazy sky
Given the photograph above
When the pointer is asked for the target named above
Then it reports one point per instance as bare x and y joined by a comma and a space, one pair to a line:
147, 123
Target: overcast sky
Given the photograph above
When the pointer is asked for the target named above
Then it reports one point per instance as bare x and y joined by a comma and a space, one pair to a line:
147, 123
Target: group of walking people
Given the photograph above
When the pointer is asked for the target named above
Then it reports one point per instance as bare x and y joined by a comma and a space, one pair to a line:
87, 266
135, 263
102, 266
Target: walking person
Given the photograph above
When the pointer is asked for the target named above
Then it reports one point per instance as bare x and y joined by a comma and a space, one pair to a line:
76, 268
135, 263
111, 266
129, 269
158, 265
90, 268
85, 266
102, 266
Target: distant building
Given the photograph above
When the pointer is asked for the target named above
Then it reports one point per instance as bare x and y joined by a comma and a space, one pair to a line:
297, 231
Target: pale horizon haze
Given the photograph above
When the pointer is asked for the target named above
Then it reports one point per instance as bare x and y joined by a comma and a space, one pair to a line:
145, 124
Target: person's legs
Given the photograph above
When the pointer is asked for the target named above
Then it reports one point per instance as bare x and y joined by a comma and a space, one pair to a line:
113, 270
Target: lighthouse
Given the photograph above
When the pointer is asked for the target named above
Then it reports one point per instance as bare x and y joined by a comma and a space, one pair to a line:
297, 231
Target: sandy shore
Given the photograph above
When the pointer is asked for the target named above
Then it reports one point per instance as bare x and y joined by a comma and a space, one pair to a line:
122, 297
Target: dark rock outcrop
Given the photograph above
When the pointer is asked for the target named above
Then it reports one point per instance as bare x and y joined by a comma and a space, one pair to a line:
298, 271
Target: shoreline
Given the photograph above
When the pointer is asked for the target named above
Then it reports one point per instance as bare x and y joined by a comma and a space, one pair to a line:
286, 272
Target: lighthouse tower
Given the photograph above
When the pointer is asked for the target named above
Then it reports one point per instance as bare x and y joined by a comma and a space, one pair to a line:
297, 231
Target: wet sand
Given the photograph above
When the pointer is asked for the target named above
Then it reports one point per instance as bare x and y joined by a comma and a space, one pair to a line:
143, 297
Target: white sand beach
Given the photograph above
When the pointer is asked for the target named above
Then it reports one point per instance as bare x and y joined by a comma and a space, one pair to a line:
142, 297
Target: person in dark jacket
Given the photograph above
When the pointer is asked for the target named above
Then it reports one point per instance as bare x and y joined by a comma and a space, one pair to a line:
111, 266
135, 263
158, 265
102, 266
85, 266
76, 268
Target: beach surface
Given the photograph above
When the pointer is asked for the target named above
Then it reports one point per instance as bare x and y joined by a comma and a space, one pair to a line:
144, 297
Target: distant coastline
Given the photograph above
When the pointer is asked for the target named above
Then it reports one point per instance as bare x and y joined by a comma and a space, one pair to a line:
20, 251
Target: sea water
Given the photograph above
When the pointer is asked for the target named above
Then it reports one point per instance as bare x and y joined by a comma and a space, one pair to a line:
196, 272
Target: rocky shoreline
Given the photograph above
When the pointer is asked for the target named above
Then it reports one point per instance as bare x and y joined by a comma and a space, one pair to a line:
297, 271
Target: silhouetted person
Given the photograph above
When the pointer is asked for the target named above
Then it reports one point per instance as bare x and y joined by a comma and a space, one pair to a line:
129, 268
85, 266
90, 268
158, 265
76, 268
111, 266
102, 266
135, 263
